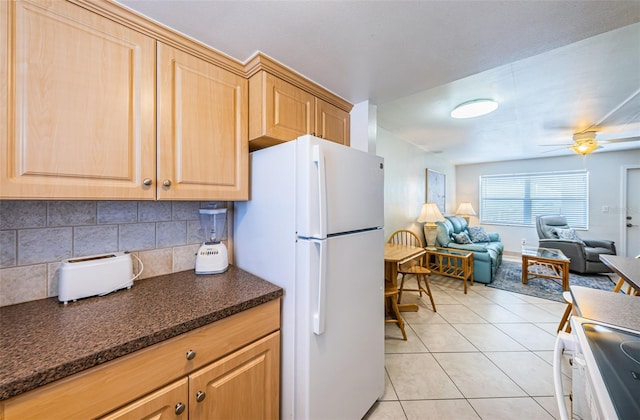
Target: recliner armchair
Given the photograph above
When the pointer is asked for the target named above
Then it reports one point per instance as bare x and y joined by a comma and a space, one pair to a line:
554, 232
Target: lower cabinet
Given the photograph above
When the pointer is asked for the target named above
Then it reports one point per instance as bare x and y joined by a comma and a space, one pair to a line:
243, 385
229, 369
169, 402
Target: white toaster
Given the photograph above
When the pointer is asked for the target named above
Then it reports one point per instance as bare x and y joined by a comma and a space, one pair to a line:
95, 275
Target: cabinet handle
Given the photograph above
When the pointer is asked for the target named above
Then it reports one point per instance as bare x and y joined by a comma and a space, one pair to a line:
191, 355
180, 408
200, 396
313, 134
147, 181
166, 182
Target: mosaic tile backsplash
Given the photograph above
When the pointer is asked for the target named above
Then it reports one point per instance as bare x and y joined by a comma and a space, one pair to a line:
36, 235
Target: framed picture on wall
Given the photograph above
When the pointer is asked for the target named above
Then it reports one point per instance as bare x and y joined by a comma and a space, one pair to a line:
436, 192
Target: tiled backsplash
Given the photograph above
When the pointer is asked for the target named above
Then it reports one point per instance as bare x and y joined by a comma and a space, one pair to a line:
36, 235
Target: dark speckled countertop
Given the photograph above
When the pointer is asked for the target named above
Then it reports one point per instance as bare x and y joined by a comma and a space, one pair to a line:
44, 340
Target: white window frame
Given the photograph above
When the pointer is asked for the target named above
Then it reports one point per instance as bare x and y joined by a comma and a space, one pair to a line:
516, 199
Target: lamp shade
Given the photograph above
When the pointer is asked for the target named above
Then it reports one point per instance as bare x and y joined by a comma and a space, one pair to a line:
466, 209
430, 214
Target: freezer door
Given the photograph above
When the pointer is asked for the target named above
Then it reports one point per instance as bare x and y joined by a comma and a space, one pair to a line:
339, 189
339, 357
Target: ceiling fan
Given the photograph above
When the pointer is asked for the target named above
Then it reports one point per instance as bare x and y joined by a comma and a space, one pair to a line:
585, 142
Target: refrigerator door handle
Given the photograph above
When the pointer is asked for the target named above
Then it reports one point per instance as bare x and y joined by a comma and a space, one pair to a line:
318, 159
319, 314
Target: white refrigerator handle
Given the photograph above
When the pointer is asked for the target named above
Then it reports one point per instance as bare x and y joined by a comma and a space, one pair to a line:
318, 159
319, 313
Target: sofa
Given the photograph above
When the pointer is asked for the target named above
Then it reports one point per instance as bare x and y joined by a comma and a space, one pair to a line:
487, 249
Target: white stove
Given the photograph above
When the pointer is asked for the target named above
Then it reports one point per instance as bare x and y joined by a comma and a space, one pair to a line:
605, 369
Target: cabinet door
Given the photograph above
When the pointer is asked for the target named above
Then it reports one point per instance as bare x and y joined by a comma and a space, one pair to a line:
166, 403
77, 108
332, 123
203, 145
243, 385
279, 110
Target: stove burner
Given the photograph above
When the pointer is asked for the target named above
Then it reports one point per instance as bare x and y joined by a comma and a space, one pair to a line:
631, 349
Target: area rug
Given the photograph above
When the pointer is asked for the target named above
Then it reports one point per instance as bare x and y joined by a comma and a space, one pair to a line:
509, 277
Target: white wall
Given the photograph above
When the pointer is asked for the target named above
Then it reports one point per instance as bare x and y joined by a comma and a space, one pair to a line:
405, 181
363, 127
604, 190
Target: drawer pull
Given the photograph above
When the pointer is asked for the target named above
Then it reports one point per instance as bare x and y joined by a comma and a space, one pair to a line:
191, 355
147, 181
180, 408
166, 183
200, 396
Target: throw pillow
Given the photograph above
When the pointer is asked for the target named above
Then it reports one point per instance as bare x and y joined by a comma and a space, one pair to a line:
461, 238
478, 234
567, 234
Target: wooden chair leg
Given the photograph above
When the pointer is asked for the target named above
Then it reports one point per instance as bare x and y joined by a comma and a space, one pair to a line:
567, 313
565, 318
425, 278
395, 311
619, 285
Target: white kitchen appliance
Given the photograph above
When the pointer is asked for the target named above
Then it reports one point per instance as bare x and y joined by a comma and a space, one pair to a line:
313, 226
605, 371
95, 275
212, 257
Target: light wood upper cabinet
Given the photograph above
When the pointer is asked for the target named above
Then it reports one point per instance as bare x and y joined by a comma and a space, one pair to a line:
203, 146
280, 111
78, 120
332, 123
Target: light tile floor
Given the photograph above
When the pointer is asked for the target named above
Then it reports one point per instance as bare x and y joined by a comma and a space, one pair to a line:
484, 355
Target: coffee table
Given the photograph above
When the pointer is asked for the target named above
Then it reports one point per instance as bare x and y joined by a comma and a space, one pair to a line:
451, 262
546, 263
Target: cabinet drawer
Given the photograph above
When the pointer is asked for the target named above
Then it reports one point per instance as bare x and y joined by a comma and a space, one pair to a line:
99, 390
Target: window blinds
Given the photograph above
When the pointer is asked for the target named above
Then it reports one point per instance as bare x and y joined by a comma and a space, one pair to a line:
516, 199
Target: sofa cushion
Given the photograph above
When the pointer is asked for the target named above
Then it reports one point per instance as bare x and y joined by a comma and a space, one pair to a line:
566, 234
549, 224
462, 238
445, 229
459, 224
478, 234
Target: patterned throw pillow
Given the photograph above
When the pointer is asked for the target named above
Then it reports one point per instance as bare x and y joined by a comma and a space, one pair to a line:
478, 234
567, 234
461, 238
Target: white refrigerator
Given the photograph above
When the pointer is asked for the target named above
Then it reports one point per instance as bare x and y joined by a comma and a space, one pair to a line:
313, 225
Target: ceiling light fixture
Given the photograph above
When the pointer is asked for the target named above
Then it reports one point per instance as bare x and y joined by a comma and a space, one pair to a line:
474, 108
584, 147
585, 143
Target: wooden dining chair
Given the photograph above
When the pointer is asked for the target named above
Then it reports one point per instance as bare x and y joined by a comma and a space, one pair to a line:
414, 267
620, 284
391, 308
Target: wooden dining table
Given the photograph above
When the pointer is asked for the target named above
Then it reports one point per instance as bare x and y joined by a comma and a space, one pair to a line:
395, 255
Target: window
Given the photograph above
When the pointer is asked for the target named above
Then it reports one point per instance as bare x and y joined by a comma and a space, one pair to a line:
516, 199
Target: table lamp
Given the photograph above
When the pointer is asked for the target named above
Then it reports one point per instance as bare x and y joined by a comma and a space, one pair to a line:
429, 215
465, 210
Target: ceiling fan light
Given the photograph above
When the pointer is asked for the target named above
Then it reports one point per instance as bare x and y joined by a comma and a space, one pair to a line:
474, 108
585, 147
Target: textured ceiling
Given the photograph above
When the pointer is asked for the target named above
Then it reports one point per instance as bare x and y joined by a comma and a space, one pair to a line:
417, 59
